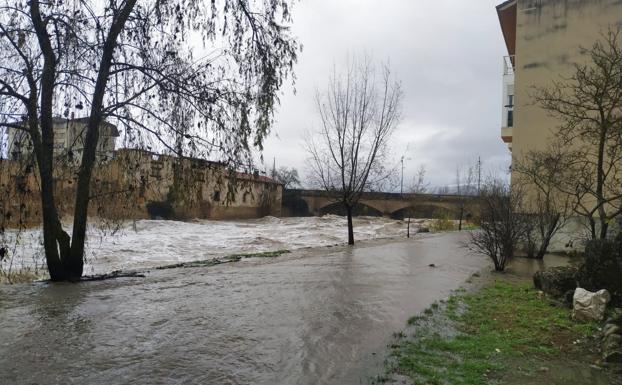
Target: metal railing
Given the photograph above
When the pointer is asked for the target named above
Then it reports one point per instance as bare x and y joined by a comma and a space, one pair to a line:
508, 64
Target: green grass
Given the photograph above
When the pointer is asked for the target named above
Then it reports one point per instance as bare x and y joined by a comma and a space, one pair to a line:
469, 226
497, 325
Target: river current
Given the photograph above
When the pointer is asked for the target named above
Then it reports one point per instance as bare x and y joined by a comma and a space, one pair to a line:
316, 316
150, 243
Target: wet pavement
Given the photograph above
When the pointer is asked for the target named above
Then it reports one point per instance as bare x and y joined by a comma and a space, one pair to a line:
316, 316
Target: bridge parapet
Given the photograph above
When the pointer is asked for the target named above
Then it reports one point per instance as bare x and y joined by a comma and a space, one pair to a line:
299, 202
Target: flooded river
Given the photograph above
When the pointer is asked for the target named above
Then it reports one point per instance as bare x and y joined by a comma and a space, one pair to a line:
316, 316
150, 243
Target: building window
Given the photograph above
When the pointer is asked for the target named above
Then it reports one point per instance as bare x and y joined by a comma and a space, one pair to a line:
510, 118
510, 101
216, 196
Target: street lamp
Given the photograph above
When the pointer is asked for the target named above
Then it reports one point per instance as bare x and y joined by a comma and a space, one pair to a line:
402, 178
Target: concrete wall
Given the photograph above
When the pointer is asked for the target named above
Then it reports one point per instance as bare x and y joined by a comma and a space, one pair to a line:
139, 184
549, 37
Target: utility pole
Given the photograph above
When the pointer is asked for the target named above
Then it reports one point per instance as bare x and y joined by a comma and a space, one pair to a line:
274, 167
402, 179
479, 174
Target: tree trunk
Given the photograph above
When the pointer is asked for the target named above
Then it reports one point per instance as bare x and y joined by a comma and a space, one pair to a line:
350, 225
55, 239
460, 220
604, 228
76, 257
592, 227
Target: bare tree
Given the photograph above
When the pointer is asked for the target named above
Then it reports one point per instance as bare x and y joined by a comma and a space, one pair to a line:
443, 190
419, 184
502, 225
464, 187
588, 106
123, 60
547, 208
358, 115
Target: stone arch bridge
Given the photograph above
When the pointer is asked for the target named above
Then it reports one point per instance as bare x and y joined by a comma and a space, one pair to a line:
394, 205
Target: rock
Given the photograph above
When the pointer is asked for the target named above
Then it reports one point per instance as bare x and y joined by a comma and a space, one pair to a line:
556, 281
424, 230
612, 347
588, 306
612, 342
432, 265
611, 329
613, 356
616, 316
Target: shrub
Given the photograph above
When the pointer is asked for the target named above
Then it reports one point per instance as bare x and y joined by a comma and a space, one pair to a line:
602, 267
443, 222
501, 225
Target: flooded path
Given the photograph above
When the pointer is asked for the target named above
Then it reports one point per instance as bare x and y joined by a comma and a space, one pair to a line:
319, 316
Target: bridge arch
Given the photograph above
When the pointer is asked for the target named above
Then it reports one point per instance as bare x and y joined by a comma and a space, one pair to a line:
360, 209
425, 210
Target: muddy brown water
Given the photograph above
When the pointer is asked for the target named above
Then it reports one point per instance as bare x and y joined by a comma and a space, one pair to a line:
317, 316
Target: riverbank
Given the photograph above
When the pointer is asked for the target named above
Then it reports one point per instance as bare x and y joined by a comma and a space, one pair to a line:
499, 331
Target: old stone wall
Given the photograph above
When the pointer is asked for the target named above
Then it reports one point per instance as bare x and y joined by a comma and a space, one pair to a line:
139, 184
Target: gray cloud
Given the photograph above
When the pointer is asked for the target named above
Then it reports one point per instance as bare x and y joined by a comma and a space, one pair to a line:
447, 53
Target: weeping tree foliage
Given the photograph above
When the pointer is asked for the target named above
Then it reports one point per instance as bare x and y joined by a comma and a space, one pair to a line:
358, 113
134, 63
287, 176
588, 106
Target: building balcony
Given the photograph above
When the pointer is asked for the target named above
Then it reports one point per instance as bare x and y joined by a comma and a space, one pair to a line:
508, 65
507, 113
506, 136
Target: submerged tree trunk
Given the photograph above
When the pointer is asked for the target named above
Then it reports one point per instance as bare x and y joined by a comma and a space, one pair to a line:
350, 226
55, 239
461, 216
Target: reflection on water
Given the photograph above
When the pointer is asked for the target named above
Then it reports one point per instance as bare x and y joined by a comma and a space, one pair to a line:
320, 316
525, 268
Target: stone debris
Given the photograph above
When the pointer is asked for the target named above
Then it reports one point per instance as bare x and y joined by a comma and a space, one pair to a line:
588, 306
612, 338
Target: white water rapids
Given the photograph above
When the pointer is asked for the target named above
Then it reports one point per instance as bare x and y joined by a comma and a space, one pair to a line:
150, 243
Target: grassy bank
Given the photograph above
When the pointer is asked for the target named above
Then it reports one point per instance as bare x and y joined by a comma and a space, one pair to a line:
505, 333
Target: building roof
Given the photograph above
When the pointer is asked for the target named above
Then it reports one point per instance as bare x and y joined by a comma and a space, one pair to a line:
507, 19
505, 4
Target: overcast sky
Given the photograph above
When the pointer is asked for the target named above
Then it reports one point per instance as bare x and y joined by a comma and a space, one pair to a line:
448, 55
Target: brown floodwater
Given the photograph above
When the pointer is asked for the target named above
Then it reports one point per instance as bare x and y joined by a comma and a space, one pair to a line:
316, 316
